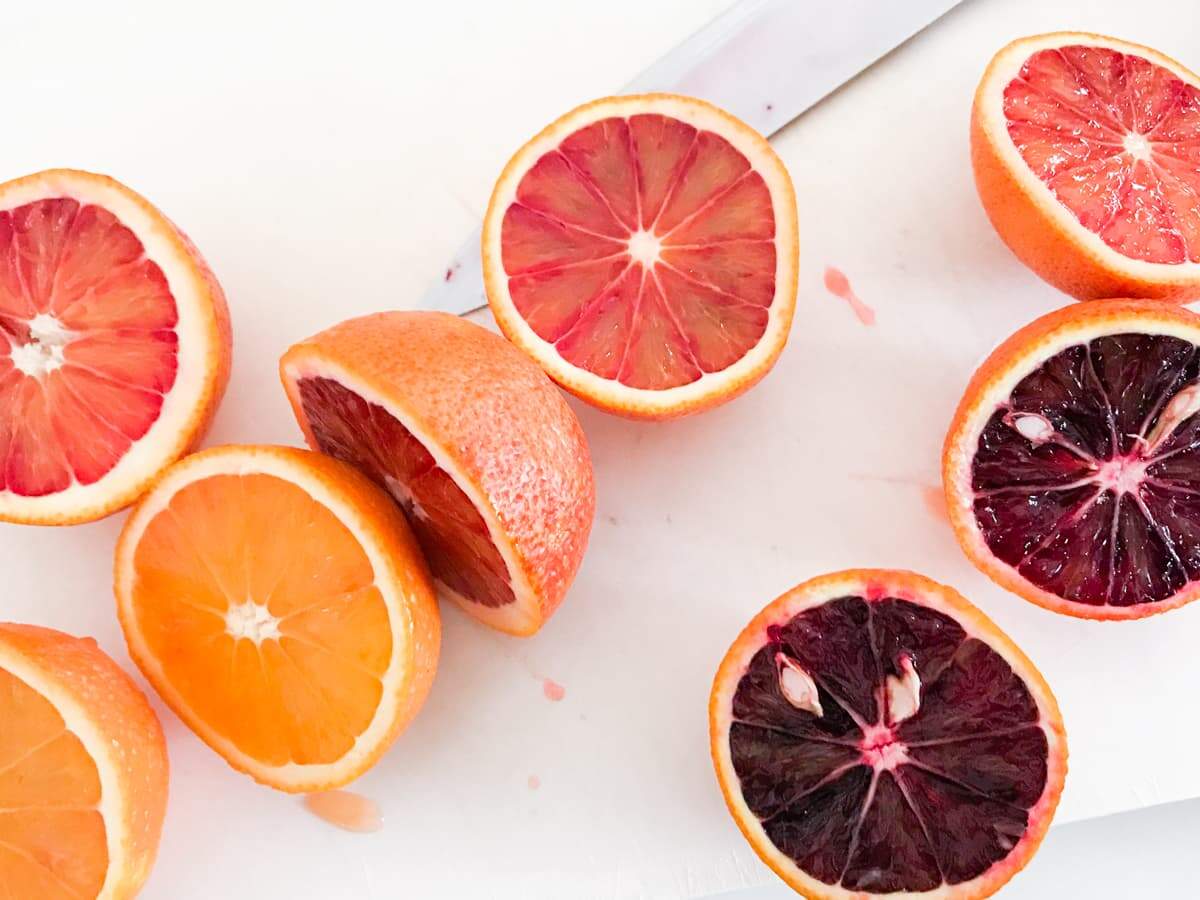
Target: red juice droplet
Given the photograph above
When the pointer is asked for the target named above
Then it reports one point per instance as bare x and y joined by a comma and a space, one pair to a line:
346, 810
553, 690
534, 782
838, 284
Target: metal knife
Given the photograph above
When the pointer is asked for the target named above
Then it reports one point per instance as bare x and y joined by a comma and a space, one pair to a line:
765, 61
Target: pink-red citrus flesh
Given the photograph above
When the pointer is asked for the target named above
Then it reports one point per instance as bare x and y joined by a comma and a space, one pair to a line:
1116, 138
447, 525
88, 347
643, 249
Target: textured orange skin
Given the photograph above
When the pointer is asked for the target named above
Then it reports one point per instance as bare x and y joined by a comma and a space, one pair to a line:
390, 531
1022, 350
121, 714
219, 365
493, 412
506, 314
911, 586
1053, 252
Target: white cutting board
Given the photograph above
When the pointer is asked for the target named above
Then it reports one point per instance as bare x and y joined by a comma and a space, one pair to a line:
327, 167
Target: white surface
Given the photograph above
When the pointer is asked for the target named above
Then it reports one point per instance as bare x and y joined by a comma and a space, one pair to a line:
327, 167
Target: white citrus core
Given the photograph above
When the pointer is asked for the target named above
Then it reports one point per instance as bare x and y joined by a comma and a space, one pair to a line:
1137, 146
251, 620
43, 353
645, 247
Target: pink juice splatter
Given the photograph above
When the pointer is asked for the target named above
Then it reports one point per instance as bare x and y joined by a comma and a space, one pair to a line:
838, 284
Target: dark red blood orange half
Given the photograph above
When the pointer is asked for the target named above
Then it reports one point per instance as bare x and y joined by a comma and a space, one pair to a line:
642, 250
1072, 466
875, 734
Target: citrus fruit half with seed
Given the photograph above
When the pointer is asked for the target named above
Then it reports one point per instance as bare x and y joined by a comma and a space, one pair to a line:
278, 603
474, 443
643, 250
114, 346
1086, 152
875, 734
83, 771
1072, 466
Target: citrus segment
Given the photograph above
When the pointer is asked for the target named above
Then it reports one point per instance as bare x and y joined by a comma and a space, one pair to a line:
631, 238
875, 734
472, 441
83, 770
113, 346
277, 602
1084, 150
1074, 460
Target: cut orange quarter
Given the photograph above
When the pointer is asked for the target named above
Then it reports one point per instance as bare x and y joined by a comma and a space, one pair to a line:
83, 770
473, 442
278, 603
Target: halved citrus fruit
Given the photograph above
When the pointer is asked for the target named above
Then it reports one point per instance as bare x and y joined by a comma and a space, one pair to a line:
875, 734
83, 771
1087, 158
643, 250
114, 346
471, 439
1072, 466
278, 603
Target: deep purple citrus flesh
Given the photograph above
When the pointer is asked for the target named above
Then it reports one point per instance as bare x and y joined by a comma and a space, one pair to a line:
1087, 479
866, 795
452, 534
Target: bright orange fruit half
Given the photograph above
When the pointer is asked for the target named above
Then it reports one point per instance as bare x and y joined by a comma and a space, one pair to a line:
278, 603
643, 250
83, 771
114, 346
471, 439
1087, 157
1072, 466
875, 734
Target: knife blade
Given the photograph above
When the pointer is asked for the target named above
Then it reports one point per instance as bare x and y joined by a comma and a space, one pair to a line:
765, 61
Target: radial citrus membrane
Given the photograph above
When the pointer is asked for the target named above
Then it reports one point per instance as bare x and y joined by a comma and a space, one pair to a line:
278, 603
642, 250
471, 440
114, 346
1087, 158
874, 734
1072, 467
83, 771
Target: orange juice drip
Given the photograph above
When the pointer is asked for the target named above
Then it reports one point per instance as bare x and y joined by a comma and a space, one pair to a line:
346, 810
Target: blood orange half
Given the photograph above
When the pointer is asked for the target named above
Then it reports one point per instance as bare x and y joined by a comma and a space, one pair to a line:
643, 250
114, 346
875, 734
473, 442
1072, 466
1087, 157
